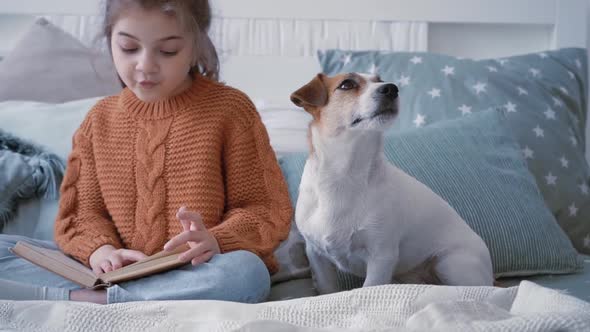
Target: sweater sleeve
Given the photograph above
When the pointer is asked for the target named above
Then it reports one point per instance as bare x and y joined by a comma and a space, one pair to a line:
83, 223
258, 208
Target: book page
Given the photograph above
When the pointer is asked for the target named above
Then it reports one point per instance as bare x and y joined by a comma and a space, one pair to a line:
158, 262
56, 262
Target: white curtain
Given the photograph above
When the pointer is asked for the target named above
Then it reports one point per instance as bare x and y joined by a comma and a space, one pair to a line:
274, 37
288, 37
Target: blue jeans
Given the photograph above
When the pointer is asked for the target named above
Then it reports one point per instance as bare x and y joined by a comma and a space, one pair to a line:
238, 276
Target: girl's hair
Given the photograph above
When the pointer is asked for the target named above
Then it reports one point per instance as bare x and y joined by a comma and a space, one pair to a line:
193, 15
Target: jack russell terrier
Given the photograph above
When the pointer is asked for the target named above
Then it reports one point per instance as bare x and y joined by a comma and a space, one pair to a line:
359, 213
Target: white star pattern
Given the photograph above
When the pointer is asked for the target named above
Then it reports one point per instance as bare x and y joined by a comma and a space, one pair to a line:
564, 162
543, 55
448, 70
492, 69
465, 109
584, 189
557, 102
502, 61
564, 90
536, 72
578, 63
510, 107
572, 76
550, 114
528, 153
416, 60
420, 120
346, 59
522, 91
434, 93
539, 132
479, 87
551, 179
373, 70
573, 210
404, 80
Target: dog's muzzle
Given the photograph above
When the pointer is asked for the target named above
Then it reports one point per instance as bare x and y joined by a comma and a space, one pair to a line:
389, 90
386, 96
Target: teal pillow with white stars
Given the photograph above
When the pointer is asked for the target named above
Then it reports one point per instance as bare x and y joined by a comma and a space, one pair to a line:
543, 94
474, 163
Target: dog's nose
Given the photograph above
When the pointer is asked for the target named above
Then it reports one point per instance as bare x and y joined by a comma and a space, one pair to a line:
388, 90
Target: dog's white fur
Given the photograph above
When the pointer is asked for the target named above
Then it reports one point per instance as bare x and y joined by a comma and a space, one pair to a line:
362, 215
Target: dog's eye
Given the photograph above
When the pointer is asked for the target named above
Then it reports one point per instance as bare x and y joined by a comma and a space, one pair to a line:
347, 85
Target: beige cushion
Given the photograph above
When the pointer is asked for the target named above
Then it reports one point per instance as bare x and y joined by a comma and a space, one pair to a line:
49, 65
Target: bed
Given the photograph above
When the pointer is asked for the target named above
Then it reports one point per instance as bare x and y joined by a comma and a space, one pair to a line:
453, 61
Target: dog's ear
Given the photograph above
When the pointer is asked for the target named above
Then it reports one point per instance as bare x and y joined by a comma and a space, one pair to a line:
312, 94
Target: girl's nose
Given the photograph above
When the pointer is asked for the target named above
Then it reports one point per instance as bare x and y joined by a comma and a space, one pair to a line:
146, 63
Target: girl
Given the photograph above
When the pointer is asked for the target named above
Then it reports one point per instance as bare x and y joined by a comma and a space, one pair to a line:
175, 158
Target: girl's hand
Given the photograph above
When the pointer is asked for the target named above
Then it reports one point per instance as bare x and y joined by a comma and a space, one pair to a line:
202, 243
108, 258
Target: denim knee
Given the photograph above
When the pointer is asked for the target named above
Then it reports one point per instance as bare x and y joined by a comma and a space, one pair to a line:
6, 242
248, 278
238, 276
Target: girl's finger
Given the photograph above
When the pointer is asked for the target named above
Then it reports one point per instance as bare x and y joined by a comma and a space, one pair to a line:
197, 225
132, 255
116, 262
97, 270
189, 215
182, 238
202, 259
185, 223
106, 266
196, 251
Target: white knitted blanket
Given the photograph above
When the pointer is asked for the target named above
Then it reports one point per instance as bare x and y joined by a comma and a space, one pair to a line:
528, 307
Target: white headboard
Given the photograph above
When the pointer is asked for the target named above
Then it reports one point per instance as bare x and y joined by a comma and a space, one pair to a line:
268, 47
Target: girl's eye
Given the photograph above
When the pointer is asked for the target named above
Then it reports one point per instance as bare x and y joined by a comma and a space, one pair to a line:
347, 85
169, 53
128, 50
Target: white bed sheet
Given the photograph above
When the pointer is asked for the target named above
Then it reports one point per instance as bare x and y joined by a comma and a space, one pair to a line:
528, 307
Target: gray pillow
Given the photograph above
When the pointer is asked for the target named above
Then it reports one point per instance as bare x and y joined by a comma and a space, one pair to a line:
27, 172
49, 65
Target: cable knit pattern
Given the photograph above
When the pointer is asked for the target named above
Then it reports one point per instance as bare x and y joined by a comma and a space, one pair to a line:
134, 164
150, 219
77, 220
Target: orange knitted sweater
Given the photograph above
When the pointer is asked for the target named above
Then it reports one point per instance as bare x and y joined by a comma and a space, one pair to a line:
134, 164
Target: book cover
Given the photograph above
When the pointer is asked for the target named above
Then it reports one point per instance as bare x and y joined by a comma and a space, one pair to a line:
57, 262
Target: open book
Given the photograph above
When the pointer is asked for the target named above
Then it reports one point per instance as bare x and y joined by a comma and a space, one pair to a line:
56, 262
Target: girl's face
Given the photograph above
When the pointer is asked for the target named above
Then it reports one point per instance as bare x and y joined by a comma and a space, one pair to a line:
152, 54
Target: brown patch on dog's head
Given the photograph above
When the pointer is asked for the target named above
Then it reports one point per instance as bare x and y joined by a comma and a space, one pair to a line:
331, 100
312, 96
